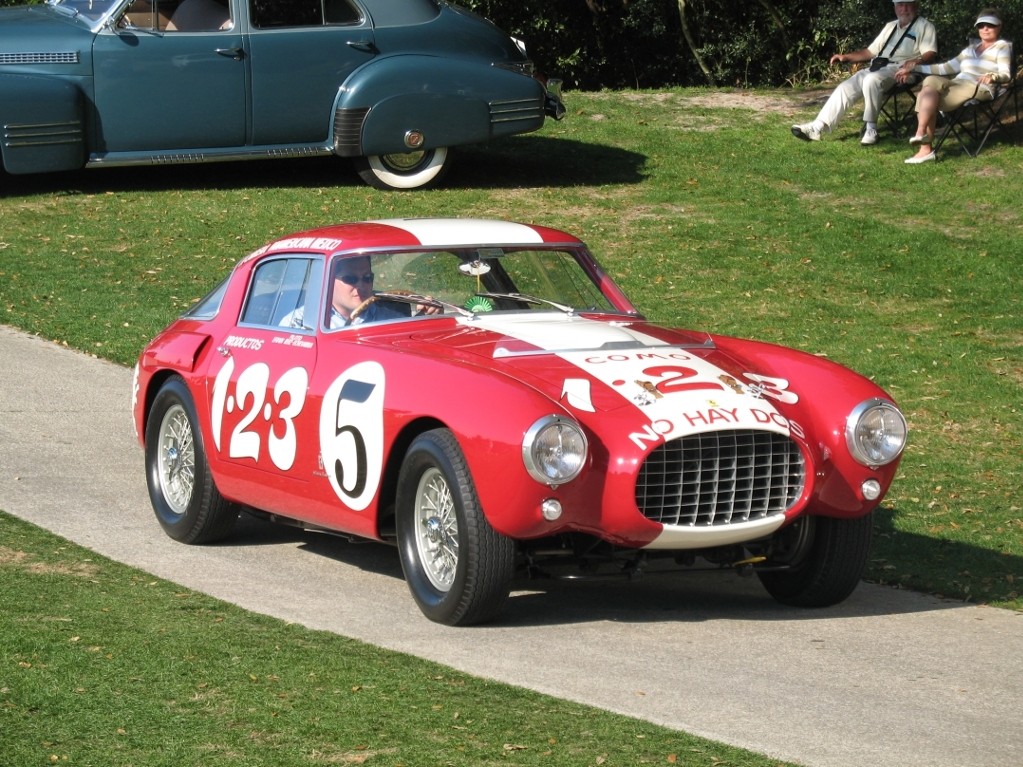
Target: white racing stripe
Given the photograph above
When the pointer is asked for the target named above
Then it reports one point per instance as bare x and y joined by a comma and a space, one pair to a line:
676, 390
434, 232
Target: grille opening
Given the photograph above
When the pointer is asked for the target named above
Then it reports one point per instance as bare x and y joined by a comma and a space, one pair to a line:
720, 478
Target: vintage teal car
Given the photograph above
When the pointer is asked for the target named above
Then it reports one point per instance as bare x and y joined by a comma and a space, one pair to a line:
392, 84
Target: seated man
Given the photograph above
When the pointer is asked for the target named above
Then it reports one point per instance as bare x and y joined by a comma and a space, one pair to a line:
907, 37
352, 286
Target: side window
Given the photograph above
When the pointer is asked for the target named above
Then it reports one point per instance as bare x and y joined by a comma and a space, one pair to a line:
284, 292
200, 16
340, 12
270, 14
148, 14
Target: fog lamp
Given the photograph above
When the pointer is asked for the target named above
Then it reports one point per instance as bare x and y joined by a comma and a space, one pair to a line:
871, 489
551, 509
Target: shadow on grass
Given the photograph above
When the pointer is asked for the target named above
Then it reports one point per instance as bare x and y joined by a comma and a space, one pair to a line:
509, 163
681, 596
922, 562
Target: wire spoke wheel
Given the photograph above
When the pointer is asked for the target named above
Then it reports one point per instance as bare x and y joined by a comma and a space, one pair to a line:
458, 568
185, 498
436, 530
176, 456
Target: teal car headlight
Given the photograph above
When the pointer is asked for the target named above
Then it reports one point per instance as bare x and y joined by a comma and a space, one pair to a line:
554, 450
876, 432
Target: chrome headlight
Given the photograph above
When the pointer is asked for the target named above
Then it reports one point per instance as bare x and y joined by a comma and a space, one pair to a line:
554, 450
875, 432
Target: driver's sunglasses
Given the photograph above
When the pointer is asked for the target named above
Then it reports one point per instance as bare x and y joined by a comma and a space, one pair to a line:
354, 279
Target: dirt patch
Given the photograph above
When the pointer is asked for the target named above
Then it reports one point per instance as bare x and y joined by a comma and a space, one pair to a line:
775, 102
26, 563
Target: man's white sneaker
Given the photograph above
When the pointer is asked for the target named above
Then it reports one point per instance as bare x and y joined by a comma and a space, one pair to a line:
807, 131
869, 136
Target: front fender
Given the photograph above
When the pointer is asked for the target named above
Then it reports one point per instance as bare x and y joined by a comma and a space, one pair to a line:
449, 102
43, 124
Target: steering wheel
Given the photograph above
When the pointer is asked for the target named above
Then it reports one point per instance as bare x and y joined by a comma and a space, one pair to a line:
358, 310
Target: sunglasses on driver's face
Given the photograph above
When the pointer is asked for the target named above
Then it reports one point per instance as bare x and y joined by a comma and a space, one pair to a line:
354, 279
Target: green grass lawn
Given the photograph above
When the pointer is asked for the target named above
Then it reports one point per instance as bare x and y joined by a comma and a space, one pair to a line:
102, 665
711, 216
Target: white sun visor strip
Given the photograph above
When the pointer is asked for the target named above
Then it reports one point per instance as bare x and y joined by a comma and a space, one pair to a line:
463, 232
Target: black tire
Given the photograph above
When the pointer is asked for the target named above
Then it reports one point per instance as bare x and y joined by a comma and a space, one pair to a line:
828, 558
458, 568
414, 170
187, 503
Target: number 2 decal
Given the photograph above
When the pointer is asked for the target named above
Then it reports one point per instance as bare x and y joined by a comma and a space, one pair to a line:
249, 398
673, 379
352, 433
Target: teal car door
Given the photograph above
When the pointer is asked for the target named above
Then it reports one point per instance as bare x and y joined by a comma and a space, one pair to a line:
301, 53
165, 90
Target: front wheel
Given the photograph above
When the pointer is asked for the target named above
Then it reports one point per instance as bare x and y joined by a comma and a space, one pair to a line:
186, 501
408, 170
827, 559
458, 568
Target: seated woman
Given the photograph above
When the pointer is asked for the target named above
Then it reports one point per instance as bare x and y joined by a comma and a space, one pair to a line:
980, 65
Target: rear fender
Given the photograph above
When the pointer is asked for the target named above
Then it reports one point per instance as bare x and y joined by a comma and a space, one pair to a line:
42, 119
447, 101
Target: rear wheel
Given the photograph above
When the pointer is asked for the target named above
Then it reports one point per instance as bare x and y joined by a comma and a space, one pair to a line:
186, 501
458, 568
408, 170
827, 559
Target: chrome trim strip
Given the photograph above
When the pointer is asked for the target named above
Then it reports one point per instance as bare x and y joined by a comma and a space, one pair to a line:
42, 134
118, 159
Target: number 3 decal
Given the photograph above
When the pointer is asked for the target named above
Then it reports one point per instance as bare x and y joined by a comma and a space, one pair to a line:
249, 397
352, 433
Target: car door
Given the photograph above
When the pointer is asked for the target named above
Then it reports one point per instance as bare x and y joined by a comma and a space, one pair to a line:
263, 421
161, 87
301, 53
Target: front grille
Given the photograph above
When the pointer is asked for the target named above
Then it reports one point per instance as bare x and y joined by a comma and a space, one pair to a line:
720, 478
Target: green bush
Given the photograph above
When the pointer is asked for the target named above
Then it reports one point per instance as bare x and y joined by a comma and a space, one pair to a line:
596, 44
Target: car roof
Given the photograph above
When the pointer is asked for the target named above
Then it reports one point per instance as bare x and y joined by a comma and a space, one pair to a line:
417, 232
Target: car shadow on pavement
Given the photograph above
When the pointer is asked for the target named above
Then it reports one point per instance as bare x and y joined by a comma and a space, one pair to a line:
533, 161
686, 596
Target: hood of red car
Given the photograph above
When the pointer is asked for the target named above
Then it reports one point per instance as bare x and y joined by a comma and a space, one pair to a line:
678, 382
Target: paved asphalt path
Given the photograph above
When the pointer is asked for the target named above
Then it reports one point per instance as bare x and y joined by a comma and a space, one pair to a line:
887, 678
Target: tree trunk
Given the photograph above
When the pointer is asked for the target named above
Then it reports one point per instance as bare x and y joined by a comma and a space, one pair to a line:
692, 44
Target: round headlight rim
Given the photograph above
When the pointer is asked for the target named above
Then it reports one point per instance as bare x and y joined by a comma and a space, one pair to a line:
855, 419
529, 440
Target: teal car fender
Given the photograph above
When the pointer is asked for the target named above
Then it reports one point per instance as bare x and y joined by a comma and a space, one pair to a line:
413, 102
43, 122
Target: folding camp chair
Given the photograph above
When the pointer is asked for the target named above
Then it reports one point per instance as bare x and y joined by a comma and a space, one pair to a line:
897, 108
973, 123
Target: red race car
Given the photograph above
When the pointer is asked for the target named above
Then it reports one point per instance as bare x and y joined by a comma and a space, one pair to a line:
482, 395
